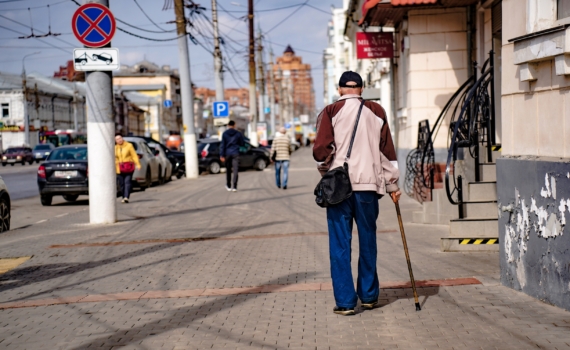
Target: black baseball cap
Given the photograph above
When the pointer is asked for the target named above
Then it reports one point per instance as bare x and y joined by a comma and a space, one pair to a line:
350, 77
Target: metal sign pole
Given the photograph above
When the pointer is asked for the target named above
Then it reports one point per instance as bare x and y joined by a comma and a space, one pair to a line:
101, 144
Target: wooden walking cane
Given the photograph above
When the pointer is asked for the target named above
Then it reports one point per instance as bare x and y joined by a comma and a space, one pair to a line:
418, 307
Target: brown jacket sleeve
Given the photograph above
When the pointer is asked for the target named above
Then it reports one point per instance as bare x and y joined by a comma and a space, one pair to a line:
324, 140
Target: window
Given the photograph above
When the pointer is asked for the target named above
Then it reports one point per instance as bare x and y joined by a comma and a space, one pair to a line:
563, 9
5, 110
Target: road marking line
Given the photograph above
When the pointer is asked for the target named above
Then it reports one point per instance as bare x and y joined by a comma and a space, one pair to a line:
58, 216
199, 239
39, 222
195, 293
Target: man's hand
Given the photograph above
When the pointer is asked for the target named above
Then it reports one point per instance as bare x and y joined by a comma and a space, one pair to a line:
395, 196
223, 159
138, 167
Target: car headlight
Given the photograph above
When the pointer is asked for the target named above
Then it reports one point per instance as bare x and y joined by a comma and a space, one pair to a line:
18, 157
4, 157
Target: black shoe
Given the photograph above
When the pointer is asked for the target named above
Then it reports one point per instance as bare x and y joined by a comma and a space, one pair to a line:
370, 305
343, 311
278, 186
284, 187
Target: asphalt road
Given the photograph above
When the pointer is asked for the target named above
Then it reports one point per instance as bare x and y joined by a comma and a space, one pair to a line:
21, 180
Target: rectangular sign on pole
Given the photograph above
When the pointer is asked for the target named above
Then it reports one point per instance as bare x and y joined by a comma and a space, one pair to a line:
374, 45
221, 109
90, 60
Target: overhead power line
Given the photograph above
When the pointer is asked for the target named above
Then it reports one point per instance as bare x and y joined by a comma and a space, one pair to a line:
147, 16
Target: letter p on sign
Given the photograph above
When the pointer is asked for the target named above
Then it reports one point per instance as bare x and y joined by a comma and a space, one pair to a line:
221, 109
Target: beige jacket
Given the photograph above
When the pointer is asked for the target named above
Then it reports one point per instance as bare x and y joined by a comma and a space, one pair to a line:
372, 165
282, 145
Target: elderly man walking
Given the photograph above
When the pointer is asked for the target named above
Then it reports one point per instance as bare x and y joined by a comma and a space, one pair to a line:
281, 149
373, 172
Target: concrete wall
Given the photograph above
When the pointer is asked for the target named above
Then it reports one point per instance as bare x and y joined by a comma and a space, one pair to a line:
534, 203
534, 175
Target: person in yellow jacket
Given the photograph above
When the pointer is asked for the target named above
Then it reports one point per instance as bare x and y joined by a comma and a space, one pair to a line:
126, 159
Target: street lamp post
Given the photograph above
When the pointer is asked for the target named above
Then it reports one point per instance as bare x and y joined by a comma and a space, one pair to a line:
26, 116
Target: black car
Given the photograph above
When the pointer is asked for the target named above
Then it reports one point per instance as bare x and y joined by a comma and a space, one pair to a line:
64, 173
250, 157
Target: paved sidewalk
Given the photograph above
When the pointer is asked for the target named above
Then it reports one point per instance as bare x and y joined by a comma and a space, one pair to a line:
191, 266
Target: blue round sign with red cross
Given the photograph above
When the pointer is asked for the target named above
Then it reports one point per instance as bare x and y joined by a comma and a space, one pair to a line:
93, 25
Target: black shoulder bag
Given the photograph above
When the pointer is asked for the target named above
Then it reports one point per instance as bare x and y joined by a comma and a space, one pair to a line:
335, 186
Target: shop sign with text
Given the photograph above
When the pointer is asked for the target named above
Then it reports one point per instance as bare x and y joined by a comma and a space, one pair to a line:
374, 45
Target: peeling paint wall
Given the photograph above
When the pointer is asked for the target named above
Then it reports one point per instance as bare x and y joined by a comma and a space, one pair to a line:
534, 227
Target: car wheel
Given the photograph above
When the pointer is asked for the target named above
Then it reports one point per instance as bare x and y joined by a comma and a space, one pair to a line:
83, 62
214, 168
3, 164
31, 162
260, 164
37, 161
148, 178
160, 177
23, 162
46, 200
12, 164
70, 198
4, 214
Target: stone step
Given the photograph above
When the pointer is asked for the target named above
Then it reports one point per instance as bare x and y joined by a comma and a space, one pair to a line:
482, 191
481, 210
474, 227
439, 211
488, 172
418, 216
449, 244
494, 154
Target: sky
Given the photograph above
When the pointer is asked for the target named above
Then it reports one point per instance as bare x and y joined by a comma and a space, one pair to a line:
305, 30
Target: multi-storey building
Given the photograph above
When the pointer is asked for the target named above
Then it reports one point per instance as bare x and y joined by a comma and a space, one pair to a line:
294, 85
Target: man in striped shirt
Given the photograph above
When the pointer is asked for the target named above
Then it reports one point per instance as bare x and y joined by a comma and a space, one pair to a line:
281, 146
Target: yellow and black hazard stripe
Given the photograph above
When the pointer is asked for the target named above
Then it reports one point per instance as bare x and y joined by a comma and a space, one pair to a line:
478, 241
496, 148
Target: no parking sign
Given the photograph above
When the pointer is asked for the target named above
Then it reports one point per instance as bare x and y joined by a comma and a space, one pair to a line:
93, 25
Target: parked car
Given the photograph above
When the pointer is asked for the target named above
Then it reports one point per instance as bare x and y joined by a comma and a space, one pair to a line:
150, 171
5, 206
64, 173
250, 157
166, 165
42, 151
176, 158
15, 155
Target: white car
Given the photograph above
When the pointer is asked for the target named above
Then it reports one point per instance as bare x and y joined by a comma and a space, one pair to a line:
150, 170
166, 165
4, 207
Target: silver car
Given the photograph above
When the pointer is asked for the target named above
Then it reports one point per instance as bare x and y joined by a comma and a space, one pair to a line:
149, 172
4, 207
165, 164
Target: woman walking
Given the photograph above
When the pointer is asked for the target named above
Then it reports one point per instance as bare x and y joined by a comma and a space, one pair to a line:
281, 153
126, 159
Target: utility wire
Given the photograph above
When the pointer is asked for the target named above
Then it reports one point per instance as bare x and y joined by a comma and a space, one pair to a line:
15, 31
150, 19
36, 7
286, 18
145, 30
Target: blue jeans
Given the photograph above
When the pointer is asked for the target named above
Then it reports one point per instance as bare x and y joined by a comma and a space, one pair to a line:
278, 165
361, 207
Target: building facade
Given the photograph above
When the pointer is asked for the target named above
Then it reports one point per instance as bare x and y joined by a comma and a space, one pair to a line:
533, 174
161, 83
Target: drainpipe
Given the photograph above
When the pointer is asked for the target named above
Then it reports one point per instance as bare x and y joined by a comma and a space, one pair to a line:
53, 111
470, 32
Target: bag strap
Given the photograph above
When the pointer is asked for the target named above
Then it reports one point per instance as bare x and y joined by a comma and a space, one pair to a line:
354, 132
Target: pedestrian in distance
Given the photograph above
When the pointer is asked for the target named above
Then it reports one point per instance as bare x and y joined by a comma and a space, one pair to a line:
373, 172
126, 160
232, 140
281, 155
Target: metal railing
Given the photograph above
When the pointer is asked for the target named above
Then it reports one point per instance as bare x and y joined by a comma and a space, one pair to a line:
471, 115
473, 126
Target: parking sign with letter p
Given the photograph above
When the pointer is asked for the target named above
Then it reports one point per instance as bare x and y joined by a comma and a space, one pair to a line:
221, 109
